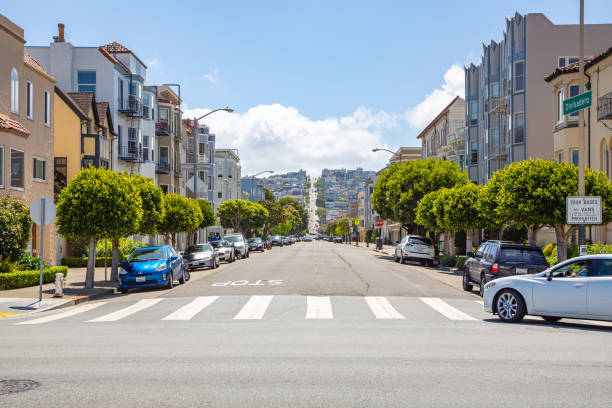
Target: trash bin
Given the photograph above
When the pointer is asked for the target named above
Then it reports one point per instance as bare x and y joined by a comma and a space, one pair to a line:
379, 243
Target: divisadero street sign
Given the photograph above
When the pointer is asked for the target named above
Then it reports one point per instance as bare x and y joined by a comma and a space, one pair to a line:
583, 210
576, 103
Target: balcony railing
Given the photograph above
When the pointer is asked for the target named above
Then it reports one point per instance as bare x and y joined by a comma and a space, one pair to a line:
132, 154
162, 167
497, 105
604, 107
131, 106
162, 129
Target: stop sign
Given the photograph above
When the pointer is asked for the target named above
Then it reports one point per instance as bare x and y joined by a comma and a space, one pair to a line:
380, 223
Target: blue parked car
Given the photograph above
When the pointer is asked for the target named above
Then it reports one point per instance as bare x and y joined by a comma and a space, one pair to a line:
152, 266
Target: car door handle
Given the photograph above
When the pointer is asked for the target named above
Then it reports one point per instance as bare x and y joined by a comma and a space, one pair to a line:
578, 285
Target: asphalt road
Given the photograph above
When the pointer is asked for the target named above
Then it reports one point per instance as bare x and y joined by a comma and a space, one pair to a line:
344, 327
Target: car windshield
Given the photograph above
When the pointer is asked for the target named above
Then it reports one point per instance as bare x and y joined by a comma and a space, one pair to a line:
147, 254
275, 237
219, 244
198, 248
525, 255
255, 239
420, 240
233, 238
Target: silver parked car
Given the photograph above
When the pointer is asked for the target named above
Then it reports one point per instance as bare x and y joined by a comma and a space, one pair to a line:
240, 245
579, 288
201, 255
414, 248
225, 250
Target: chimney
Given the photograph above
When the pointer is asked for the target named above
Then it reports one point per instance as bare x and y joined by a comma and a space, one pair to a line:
60, 37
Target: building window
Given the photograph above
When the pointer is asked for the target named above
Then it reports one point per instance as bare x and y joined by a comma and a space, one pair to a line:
201, 148
219, 195
1, 166
145, 144
164, 188
210, 182
494, 90
17, 169
29, 100
474, 153
573, 92
47, 108
575, 158
519, 76
60, 174
14, 91
163, 156
519, 128
86, 81
40, 169
474, 113
560, 157
560, 99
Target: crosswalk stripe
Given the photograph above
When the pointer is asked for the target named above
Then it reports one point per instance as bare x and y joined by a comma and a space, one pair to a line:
255, 308
381, 308
445, 309
76, 310
191, 309
319, 307
127, 311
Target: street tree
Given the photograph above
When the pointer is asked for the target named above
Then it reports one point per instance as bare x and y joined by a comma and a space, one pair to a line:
426, 214
182, 215
98, 203
276, 216
232, 213
461, 212
343, 227
15, 227
301, 224
208, 217
256, 219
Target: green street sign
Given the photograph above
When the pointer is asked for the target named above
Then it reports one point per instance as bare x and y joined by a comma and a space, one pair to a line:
576, 103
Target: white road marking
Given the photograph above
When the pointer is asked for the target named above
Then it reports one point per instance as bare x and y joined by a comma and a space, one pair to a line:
191, 309
381, 308
319, 307
74, 311
127, 311
255, 308
445, 309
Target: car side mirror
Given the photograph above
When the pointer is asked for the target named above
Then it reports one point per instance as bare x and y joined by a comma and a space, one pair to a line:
549, 276
123, 263
470, 254
173, 258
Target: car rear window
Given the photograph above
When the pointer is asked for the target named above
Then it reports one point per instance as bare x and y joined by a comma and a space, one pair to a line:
420, 240
527, 255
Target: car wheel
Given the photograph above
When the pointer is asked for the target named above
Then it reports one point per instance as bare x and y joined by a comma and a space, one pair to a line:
182, 278
247, 254
395, 258
551, 319
402, 259
187, 275
483, 282
510, 306
170, 283
466, 281
123, 290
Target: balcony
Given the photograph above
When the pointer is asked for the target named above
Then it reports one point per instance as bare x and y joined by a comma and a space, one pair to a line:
131, 106
162, 129
146, 113
497, 105
162, 167
132, 154
604, 107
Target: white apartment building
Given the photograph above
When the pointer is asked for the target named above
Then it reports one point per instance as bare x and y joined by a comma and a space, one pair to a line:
227, 181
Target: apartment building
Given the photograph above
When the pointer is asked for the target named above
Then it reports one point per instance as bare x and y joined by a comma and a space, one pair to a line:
116, 75
508, 110
564, 83
169, 142
204, 159
227, 180
253, 189
444, 136
26, 129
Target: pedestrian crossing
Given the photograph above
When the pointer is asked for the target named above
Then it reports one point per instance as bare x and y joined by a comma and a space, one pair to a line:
269, 308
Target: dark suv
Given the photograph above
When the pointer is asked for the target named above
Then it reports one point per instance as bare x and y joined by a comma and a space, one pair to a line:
496, 259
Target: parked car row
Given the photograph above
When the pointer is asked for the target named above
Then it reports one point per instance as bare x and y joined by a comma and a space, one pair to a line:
281, 240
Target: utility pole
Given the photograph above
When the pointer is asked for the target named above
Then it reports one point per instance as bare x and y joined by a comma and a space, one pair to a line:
581, 144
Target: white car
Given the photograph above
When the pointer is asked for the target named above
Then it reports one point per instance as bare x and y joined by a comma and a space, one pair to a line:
414, 248
579, 288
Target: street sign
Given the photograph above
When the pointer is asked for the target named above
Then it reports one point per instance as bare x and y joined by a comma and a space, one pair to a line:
583, 210
42, 211
576, 103
379, 223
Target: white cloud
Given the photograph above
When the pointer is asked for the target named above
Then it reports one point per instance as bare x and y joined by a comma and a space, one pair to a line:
280, 138
212, 76
454, 79
152, 62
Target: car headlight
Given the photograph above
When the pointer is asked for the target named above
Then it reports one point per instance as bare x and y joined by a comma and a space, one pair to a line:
489, 285
122, 271
161, 267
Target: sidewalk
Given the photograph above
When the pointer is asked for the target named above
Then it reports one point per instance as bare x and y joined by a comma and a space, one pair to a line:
25, 300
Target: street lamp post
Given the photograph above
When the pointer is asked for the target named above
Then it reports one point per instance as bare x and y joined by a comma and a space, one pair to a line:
253, 181
378, 149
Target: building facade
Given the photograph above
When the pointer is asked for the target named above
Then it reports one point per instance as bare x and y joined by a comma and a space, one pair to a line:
253, 188
26, 130
508, 108
227, 181
169, 142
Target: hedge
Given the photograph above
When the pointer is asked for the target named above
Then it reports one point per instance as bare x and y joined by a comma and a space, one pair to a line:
460, 262
447, 260
22, 279
82, 262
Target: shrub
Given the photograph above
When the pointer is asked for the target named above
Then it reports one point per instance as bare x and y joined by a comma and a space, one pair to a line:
599, 248
29, 262
548, 249
460, 262
126, 246
447, 260
22, 279
82, 262
15, 227
6, 265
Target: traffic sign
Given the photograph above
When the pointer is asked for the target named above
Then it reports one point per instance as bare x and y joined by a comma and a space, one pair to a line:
583, 210
576, 103
380, 223
42, 211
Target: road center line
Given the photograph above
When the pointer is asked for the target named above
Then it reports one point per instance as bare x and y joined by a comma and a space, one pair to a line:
382, 309
445, 309
319, 307
192, 308
127, 311
74, 311
255, 308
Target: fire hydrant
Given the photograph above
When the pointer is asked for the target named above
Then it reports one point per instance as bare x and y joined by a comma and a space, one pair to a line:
59, 285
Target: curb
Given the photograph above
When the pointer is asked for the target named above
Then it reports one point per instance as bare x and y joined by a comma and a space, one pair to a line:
81, 299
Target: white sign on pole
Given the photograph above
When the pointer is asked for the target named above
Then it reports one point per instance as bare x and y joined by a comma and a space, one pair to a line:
583, 210
42, 212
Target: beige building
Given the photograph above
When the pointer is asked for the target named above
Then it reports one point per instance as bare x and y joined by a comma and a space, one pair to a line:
598, 121
444, 136
170, 148
26, 129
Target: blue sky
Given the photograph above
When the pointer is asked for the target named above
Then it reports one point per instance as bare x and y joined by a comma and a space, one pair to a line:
344, 66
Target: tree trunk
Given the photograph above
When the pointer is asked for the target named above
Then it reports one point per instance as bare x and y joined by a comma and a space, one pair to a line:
561, 243
468, 241
532, 234
451, 243
91, 264
114, 275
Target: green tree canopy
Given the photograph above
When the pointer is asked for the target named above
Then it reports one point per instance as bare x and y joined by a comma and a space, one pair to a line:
269, 195
258, 215
461, 209
182, 215
152, 204
232, 213
208, 214
15, 227
300, 224
426, 212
